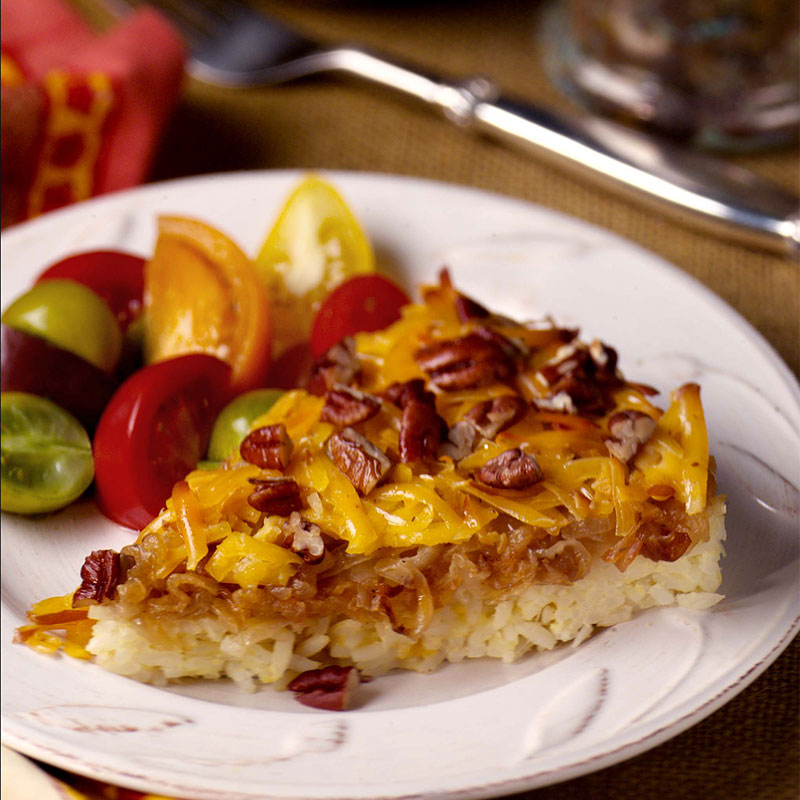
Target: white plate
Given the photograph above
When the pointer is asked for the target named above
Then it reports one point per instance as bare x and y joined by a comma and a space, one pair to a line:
469, 730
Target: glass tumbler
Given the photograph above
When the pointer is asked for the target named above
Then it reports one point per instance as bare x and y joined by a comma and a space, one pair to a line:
721, 73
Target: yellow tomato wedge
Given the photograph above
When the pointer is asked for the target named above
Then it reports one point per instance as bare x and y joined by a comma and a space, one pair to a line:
315, 244
204, 295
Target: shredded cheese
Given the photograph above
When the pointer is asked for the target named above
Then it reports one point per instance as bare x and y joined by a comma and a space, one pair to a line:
441, 503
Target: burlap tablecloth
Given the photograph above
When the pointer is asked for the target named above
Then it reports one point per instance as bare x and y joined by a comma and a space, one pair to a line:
748, 750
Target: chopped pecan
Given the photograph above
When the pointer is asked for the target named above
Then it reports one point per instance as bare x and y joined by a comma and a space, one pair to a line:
304, 538
362, 462
495, 415
269, 447
629, 431
585, 392
328, 688
339, 365
279, 496
100, 575
348, 406
402, 393
460, 442
513, 469
581, 373
473, 360
421, 430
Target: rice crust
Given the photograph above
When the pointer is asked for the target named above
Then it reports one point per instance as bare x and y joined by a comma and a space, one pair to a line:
159, 651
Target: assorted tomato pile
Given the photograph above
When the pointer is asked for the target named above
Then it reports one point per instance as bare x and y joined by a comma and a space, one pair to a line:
166, 361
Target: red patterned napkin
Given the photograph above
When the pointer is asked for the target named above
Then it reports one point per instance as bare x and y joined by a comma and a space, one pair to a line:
81, 112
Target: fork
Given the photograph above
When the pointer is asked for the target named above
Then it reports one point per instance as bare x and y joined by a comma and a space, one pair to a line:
234, 45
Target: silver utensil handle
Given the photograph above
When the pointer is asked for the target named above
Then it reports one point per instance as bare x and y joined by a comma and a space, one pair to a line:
707, 192
696, 188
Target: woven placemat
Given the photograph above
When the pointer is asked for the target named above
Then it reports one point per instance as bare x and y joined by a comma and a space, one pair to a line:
749, 749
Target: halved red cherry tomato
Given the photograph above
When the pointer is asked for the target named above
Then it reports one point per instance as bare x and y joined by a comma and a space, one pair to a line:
154, 430
361, 303
116, 276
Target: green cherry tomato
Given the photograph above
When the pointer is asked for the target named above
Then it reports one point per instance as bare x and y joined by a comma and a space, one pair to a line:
46, 455
234, 421
70, 316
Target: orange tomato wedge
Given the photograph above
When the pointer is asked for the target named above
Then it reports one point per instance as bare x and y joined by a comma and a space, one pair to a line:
204, 295
315, 244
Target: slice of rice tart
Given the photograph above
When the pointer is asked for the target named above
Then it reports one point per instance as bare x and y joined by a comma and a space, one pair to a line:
458, 485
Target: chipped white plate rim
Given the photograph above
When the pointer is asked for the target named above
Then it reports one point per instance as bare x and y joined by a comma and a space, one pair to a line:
473, 729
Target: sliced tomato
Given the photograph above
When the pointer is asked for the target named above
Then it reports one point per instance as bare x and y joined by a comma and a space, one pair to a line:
203, 295
116, 276
154, 430
361, 303
314, 245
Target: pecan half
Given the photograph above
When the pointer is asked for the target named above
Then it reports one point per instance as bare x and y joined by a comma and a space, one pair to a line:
328, 688
100, 575
460, 442
362, 462
279, 496
629, 431
421, 430
495, 415
269, 447
473, 360
339, 365
304, 538
513, 469
348, 406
